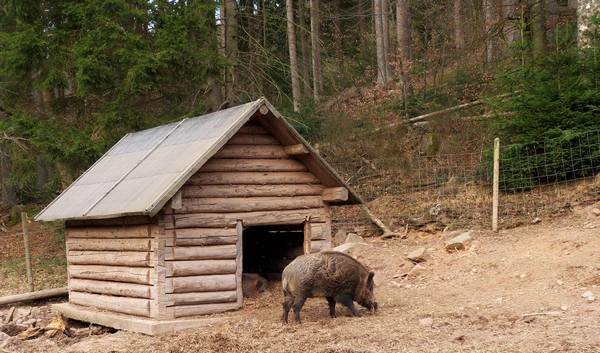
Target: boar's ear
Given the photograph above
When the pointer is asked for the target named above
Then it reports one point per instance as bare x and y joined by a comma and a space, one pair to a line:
370, 279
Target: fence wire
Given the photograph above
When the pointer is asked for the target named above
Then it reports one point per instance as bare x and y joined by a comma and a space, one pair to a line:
544, 179
46, 243
434, 192
539, 179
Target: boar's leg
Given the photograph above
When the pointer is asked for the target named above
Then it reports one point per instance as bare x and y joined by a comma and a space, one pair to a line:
347, 300
287, 305
331, 303
298, 303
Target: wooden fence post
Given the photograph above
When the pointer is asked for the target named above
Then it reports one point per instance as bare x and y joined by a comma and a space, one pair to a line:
496, 184
27, 250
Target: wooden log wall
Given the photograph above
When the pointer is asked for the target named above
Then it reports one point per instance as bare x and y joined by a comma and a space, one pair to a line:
254, 180
111, 267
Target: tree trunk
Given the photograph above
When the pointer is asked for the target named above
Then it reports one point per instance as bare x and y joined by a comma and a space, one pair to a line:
305, 67
231, 49
291, 34
361, 13
403, 29
385, 15
511, 18
538, 27
459, 40
337, 32
585, 12
315, 39
491, 28
8, 196
380, 37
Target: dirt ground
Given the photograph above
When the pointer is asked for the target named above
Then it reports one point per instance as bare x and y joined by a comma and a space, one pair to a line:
516, 291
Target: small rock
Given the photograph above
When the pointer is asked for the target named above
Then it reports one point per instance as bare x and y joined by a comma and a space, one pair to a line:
563, 307
416, 271
3, 336
522, 275
30, 322
559, 282
354, 238
417, 255
589, 296
427, 322
459, 242
347, 247
400, 275
596, 211
435, 210
536, 220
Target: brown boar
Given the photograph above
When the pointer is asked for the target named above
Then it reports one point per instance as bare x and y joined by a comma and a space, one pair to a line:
334, 275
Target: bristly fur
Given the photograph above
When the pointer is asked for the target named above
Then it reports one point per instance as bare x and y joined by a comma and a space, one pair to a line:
334, 275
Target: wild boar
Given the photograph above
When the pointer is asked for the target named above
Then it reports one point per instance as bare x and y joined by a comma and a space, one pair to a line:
334, 275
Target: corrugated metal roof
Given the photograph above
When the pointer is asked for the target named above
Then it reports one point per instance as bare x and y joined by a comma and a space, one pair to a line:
139, 174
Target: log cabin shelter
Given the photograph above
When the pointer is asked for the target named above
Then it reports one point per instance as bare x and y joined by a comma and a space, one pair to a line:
161, 228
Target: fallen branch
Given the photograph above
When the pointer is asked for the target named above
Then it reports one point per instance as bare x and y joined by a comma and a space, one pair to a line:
387, 232
428, 115
42, 294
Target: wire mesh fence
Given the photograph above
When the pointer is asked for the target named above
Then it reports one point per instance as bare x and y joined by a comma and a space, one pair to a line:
542, 179
537, 179
47, 250
439, 191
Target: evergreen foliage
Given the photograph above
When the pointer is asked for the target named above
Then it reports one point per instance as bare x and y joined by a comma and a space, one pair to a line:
76, 75
553, 116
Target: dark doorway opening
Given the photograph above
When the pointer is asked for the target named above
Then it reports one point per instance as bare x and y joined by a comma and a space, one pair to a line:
268, 249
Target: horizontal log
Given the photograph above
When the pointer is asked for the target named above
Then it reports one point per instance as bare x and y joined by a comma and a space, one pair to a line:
297, 149
199, 267
124, 305
317, 231
134, 244
249, 204
251, 190
252, 129
142, 231
200, 252
252, 165
202, 298
118, 258
207, 283
252, 178
42, 294
335, 194
251, 218
191, 233
251, 151
252, 139
140, 275
112, 288
206, 241
203, 309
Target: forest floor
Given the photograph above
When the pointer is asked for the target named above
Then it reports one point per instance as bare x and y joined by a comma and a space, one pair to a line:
516, 291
